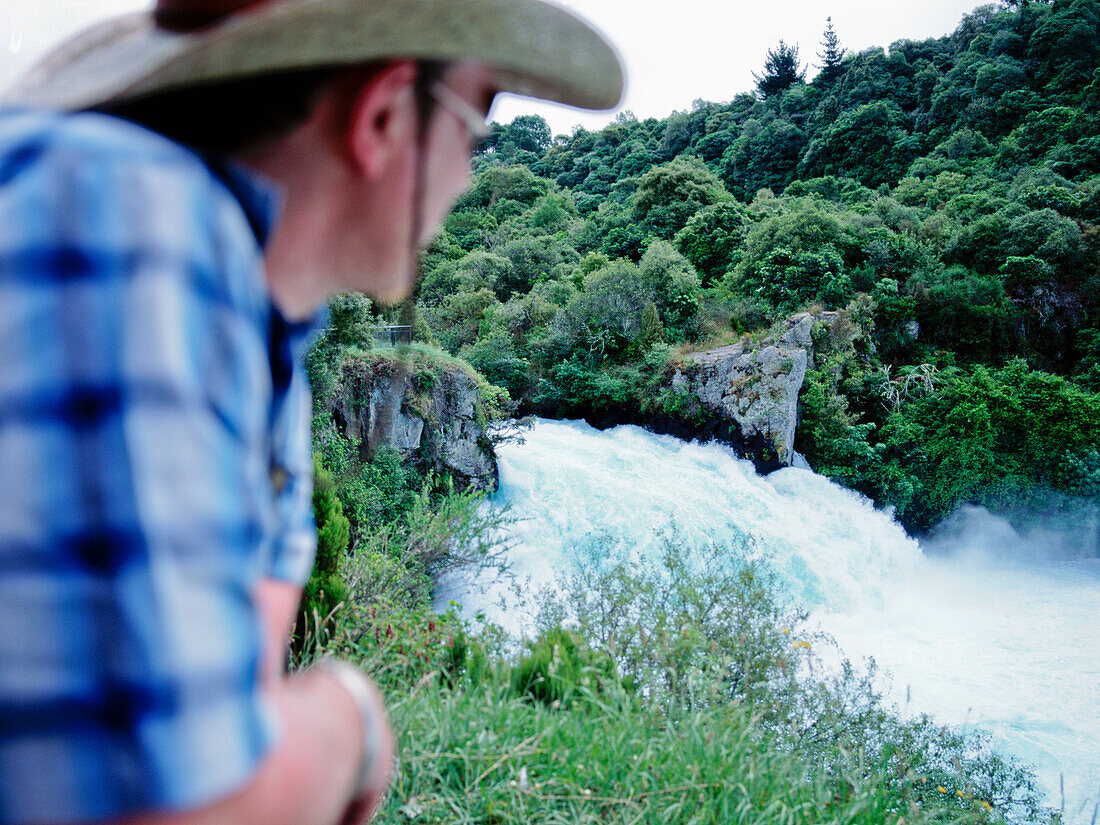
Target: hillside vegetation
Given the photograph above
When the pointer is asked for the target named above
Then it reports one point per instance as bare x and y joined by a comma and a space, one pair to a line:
943, 194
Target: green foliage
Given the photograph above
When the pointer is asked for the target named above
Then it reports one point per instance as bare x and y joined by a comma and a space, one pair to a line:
325, 591
668, 195
684, 673
351, 324
673, 284
372, 493
526, 133
712, 239
830, 437
764, 156
438, 530
482, 270
1087, 374
604, 319
793, 257
457, 319
987, 435
789, 280
495, 357
533, 259
781, 70
695, 630
497, 184
574, 385
469, 228
1064, 45
651, 330
968, 312
871, 144
560, 666
954, 180
831, 55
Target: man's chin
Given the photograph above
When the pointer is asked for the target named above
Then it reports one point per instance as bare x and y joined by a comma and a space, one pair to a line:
386, 288
388, 296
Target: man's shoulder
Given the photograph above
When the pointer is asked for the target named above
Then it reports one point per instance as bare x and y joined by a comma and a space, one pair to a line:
104, 157
88, 198
88, 170
34, 133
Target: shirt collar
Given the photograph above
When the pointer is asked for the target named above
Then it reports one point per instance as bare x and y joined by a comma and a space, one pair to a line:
262, 202
260, 198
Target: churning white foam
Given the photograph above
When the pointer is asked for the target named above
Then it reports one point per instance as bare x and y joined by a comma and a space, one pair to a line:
1008, 642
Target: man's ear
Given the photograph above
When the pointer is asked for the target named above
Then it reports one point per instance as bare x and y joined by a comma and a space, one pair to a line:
382, 121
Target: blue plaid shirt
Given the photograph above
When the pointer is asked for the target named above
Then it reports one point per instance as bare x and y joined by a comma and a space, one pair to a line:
154, 464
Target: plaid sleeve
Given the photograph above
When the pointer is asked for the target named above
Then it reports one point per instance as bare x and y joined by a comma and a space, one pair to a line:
295, 542
135, 495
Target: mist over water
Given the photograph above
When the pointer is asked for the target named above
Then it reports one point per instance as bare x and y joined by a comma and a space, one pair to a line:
983, 627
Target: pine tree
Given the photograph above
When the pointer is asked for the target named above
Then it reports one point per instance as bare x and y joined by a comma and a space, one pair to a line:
831, 54
781, 70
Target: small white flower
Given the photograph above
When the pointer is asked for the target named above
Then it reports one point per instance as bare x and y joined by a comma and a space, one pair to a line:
412, 809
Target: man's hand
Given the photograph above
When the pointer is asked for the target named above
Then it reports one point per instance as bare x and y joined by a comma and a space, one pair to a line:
312, 777
364, 807
277, 604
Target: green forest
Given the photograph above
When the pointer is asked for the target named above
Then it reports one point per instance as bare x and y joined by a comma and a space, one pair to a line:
944, 195
942, 198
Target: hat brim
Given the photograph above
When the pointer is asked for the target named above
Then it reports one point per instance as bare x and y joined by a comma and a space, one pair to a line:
537, 49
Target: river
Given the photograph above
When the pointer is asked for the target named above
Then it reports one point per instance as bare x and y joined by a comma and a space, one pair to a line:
986, 628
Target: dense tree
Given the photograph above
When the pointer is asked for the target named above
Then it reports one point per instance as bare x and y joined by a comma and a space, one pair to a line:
527, 133
457, 319
942, 195
988, 433
605, 318
533, 258
668, 195
326, 589
1066, 47
781, 71
673, 284
831, 55
765, 156
871, 144
713, 238
498, 183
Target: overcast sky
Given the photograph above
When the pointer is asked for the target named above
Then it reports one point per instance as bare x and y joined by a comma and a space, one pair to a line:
675, 52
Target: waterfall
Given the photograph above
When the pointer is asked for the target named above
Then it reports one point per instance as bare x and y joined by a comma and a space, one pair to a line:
975, 633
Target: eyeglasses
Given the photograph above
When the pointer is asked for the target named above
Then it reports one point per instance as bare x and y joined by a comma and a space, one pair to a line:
453, 102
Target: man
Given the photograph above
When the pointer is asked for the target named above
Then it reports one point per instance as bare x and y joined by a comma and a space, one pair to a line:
180, 193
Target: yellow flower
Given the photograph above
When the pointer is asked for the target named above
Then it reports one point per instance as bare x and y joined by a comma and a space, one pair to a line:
941, 789
960, 794
786, 630
986, 805
802, 644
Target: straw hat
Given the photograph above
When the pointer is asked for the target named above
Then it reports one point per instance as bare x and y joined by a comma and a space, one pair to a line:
539, 49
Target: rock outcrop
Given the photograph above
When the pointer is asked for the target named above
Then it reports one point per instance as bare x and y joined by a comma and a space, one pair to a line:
430, 414
756, 389
753, 388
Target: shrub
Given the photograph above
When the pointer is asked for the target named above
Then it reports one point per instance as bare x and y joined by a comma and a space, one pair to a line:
325, 591
559, 666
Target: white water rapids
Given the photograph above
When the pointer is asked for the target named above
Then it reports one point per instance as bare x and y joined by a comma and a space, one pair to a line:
977, 634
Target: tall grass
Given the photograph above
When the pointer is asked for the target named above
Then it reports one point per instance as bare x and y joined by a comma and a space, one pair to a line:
682, 694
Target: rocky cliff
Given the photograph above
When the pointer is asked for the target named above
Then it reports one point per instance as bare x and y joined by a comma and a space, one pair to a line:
431, 411
747, 393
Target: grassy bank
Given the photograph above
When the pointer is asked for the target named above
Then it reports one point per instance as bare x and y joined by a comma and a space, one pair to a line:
686, 691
